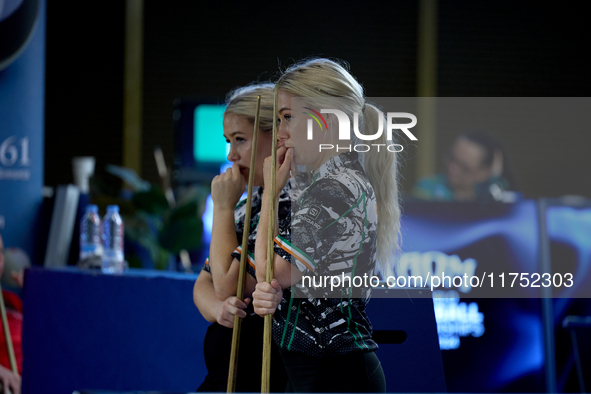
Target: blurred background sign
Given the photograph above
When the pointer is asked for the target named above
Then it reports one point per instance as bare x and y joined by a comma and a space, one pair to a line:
22, 104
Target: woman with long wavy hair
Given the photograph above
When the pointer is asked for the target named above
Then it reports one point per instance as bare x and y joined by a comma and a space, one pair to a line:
345, 222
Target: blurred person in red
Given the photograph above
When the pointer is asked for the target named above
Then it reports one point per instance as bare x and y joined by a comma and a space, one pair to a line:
14, 315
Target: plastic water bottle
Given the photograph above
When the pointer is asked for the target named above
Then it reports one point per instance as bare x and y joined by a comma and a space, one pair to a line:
91, 246
113, 260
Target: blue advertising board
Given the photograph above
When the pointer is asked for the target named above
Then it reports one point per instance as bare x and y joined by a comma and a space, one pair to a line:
22, 97
488, 343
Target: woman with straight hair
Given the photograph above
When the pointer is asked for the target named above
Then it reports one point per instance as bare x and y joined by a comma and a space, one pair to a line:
214, 293
345, 222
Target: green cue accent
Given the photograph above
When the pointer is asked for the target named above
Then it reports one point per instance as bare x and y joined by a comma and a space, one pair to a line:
287, 319
294, 325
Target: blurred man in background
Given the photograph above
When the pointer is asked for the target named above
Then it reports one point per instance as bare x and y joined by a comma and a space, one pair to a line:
476, 169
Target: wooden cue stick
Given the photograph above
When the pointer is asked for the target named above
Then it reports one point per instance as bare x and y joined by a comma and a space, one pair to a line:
244, 255
7, 335
266, 373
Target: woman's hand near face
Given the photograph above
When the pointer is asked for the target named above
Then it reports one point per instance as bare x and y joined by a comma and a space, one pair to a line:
283, 167
227, 188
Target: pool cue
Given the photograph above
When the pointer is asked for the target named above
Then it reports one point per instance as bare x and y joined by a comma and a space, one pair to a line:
266, 373
164, 176
244, 255
164, 173
7, 335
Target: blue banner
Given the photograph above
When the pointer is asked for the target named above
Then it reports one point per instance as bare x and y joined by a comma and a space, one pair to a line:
22, 97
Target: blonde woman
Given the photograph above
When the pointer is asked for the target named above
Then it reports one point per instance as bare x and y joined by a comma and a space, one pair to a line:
326, 343
214, 293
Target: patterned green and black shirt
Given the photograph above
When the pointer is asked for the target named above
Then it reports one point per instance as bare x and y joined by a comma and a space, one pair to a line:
255, 215
332, 232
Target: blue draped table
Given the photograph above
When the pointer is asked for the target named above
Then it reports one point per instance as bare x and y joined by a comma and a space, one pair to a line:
141, 331
86, 330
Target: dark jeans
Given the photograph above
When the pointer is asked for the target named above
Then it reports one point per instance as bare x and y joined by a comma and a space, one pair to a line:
217, 348
356, 372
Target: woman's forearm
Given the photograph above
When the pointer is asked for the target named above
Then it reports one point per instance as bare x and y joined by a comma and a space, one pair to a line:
223, 243
285, 273
260, 250
205, 298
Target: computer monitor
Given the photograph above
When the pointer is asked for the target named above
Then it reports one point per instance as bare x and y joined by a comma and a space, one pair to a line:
200, 149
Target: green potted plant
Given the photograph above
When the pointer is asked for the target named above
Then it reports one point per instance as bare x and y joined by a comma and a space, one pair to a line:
156, 230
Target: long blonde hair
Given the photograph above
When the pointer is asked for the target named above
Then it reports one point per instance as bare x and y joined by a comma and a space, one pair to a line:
327, 78
243, 101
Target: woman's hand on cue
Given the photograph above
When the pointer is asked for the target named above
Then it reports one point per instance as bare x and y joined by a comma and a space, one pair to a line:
283, 169
230, 307
9, 381
227, 188
267, 297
